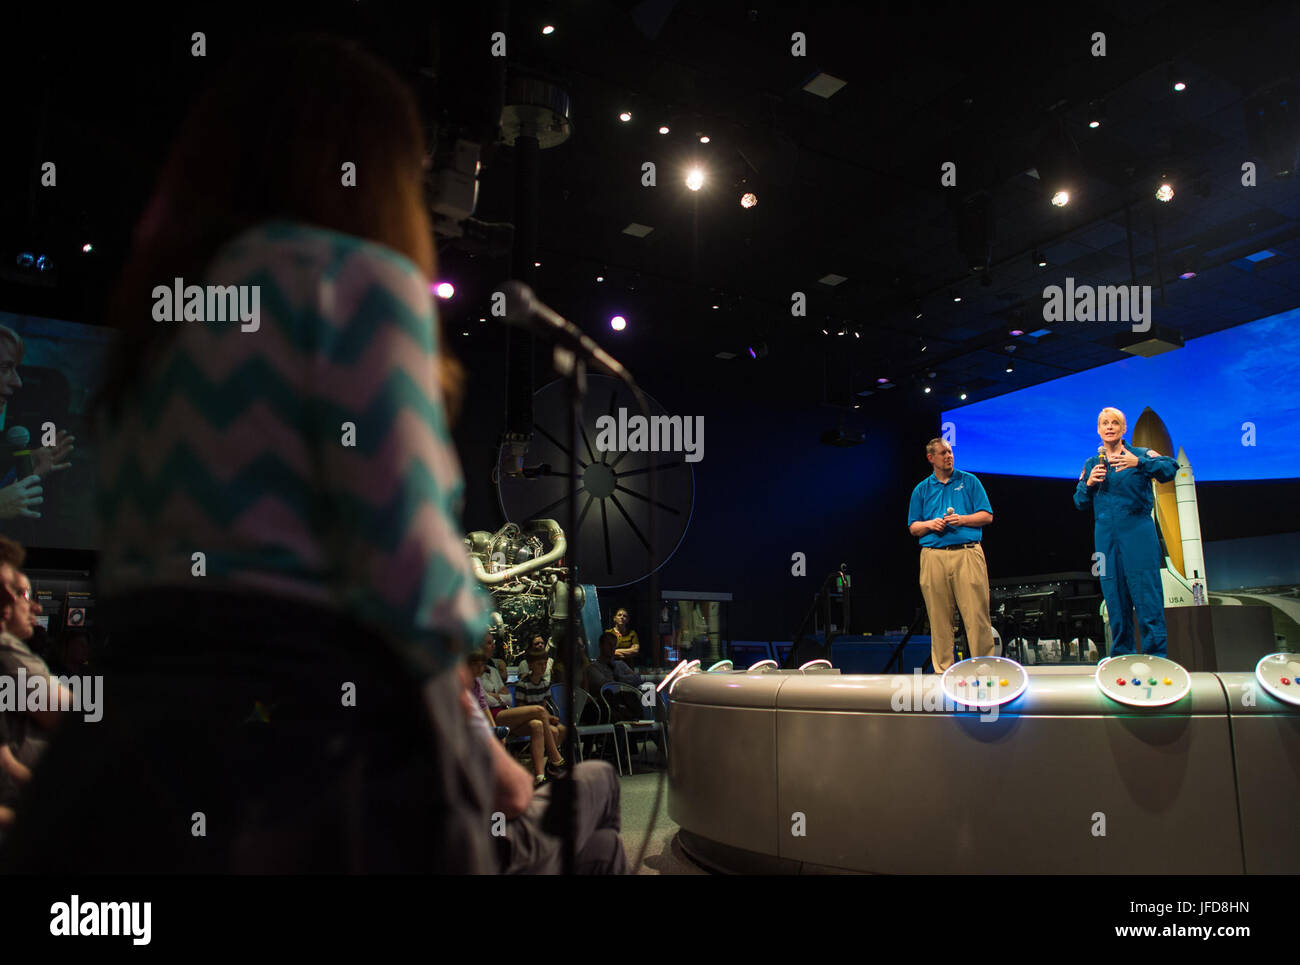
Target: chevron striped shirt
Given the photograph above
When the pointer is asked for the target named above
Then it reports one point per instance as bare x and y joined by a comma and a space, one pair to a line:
310, 458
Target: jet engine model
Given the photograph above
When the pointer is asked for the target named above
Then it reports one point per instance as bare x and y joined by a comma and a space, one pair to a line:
521, 566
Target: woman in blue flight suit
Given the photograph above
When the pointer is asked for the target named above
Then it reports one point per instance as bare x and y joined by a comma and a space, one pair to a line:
1118, 488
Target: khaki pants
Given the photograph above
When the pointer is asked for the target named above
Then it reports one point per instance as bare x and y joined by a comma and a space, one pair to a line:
959, 576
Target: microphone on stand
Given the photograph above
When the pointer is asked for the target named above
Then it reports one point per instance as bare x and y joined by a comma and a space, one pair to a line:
525, 310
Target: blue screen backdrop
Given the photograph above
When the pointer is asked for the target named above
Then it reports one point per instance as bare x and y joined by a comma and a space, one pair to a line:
1203, 392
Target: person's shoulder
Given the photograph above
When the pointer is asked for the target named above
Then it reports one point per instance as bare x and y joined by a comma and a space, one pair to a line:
295, 246
967, 475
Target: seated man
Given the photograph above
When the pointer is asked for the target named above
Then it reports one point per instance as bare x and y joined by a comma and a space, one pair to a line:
494, 685
28, 731
608, 668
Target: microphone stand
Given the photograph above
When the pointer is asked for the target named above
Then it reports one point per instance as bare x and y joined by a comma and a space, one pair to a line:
573, 369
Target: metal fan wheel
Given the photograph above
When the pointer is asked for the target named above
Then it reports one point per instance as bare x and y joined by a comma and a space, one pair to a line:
613, 538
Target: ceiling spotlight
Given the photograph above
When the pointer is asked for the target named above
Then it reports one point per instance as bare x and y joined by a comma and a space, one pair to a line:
444, 290
1187, 275
625, 116
881, 381
825, 331
956, 297
1180, 86
758, 350
1096, 113
618, 323
716, 307
1061, 198
857, 334
704, 139
663, 129
1015, 332
537, 264
1165, 192
748, 199
548, 30
465, 333
87, 248
963, 395
600, 278
1039, 259
695, 179
1010, 367
926, 390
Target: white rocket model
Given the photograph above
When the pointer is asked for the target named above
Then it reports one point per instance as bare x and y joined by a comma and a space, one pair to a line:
1189, 527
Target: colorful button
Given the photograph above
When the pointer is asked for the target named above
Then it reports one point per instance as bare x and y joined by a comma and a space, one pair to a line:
1005, 682
1152, 681
1285, 680
961, 683
1137, 681
1121, 681
1168, 681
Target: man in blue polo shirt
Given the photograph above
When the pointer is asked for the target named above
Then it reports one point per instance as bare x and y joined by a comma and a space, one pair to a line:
948, 510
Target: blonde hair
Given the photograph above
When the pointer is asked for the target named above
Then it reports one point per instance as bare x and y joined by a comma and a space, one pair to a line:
933, 445
1111, 410
7, 334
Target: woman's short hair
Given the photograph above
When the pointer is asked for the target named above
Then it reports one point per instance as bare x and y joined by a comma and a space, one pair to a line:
1111, 410
14, 340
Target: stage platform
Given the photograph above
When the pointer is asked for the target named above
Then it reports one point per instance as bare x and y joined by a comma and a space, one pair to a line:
789, 772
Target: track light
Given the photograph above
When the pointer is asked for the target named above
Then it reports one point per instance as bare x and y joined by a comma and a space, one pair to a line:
1165, 192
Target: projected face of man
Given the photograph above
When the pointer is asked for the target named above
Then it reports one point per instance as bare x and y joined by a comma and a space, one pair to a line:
9, 380
22, 609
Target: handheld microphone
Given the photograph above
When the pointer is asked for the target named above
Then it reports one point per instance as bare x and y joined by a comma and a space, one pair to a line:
18, 439
524, 309
1101, 454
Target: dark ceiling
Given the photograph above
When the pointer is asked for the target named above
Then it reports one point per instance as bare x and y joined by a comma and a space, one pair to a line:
848, 185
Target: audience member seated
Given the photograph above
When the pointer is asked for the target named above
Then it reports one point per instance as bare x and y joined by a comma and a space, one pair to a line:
531, 720
609, 668
28, 731
523, 669
629, 647
494, 685
13, 774
489, 651
532, 844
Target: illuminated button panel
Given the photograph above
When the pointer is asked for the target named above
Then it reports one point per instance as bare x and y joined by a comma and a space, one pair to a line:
1143, 680
1279, 674
985, 681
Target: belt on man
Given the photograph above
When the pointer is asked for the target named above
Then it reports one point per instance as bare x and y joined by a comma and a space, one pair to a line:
955, 546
